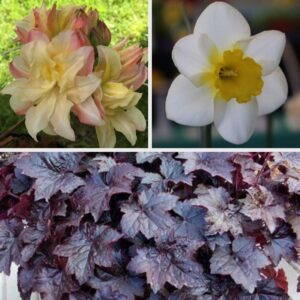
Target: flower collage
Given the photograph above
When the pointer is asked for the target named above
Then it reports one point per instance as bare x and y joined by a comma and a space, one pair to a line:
150, 150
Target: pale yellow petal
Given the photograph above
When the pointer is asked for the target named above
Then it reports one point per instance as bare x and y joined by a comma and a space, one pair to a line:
123, 123
37, 117
137, 118
83, 88
26, 90
116, 94
60, 119
109, 62
19, 107
106, 135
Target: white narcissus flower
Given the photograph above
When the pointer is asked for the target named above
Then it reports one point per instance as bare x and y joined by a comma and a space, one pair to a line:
53, 78
227, 76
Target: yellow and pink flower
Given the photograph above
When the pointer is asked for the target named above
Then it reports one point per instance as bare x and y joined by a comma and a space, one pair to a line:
55, 75
52, 22
53, 78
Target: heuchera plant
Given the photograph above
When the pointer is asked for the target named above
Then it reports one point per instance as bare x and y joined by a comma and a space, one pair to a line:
150, 225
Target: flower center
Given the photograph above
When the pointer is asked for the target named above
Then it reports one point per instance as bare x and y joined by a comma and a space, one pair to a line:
236, 77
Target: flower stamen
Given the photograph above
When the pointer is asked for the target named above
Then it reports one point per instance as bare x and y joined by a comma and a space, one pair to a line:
237, 77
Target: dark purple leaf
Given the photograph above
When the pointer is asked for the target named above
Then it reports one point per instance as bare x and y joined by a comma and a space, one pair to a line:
259, 204
161, 267
52, 284
149, 214
9, 244
249, 168
150, 157
121, 177
22, 208
107, 237
281, 245
266, 290
172, 170
125, 284
33, 235
53, 172
294, 220
216, 164
221, 216
242, 263
20, 183
192, 225
93, 197
88, 247
288, 159
108, 294
104, 163
79, 251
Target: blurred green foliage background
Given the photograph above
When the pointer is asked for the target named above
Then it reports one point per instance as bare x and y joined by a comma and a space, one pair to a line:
124, 19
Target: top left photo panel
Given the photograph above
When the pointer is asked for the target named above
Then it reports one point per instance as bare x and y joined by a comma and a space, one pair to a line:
74, 74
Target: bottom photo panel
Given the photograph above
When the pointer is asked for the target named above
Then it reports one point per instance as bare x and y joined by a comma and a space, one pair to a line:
148, 225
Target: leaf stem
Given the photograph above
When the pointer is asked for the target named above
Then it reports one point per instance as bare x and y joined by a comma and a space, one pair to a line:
206, 136
262, 169
4, 134
9, 51
269, 132
185, 17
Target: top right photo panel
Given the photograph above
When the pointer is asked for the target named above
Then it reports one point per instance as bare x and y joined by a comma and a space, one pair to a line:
226, 74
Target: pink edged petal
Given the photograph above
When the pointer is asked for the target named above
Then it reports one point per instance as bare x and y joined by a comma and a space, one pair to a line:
266, 48
22, 35
34, 35
88, 113
224, 25
84, 87
65, 42
136, 78
189, 105
88, 53
18, 69
274, 94
235, 122
192, 55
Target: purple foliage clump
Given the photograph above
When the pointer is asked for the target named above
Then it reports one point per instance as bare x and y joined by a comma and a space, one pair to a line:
155, 226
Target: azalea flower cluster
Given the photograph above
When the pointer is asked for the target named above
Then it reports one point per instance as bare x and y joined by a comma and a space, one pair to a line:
66, 65
227, 77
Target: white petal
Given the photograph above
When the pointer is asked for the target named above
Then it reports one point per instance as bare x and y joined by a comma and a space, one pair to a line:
274, 94
235, 122
61, 118
37, 117
188, 105
192, 56
266, 48
223, 24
